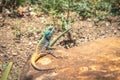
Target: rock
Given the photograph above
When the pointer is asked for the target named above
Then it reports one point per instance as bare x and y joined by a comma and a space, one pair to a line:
107, 24
30, 43
3, 46
33, 14
14, 54
118, 28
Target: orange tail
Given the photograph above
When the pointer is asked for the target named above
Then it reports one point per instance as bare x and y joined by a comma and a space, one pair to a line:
34, 58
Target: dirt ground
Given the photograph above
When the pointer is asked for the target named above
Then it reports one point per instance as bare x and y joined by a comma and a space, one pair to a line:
98, 60
92, 53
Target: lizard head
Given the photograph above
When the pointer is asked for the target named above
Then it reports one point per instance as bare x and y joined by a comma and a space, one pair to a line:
48, 32
51, 28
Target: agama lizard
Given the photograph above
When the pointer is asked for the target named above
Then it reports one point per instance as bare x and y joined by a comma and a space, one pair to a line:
43, 48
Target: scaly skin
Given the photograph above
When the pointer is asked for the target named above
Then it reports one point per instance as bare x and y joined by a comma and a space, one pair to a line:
43, 44
25, 74
34, 58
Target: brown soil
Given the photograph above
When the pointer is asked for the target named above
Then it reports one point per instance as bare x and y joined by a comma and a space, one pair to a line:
98, 60
92, 54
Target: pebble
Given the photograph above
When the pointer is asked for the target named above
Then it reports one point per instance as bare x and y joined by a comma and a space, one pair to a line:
14, 54
118, 28
30, 43
107, 24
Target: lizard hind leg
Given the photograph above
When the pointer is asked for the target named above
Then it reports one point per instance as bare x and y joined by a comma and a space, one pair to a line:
34, 58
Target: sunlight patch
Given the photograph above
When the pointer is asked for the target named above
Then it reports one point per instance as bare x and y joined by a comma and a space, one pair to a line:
44, 61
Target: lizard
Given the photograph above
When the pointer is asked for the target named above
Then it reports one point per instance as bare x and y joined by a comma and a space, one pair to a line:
43, 47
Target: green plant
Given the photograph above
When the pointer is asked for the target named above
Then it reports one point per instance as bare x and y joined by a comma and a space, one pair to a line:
115, 7
83, 8
17, 30
6, 72
16, 72
30, 30
51, 6
59, 36
96, 8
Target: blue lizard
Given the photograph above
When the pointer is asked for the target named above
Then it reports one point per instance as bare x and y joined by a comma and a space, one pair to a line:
43, 47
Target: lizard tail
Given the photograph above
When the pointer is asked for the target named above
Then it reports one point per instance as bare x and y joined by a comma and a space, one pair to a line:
34, 58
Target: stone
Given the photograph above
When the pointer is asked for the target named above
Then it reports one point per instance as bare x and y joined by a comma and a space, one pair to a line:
14, 54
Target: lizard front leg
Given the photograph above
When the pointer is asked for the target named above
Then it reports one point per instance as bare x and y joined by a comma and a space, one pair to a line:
51, 52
